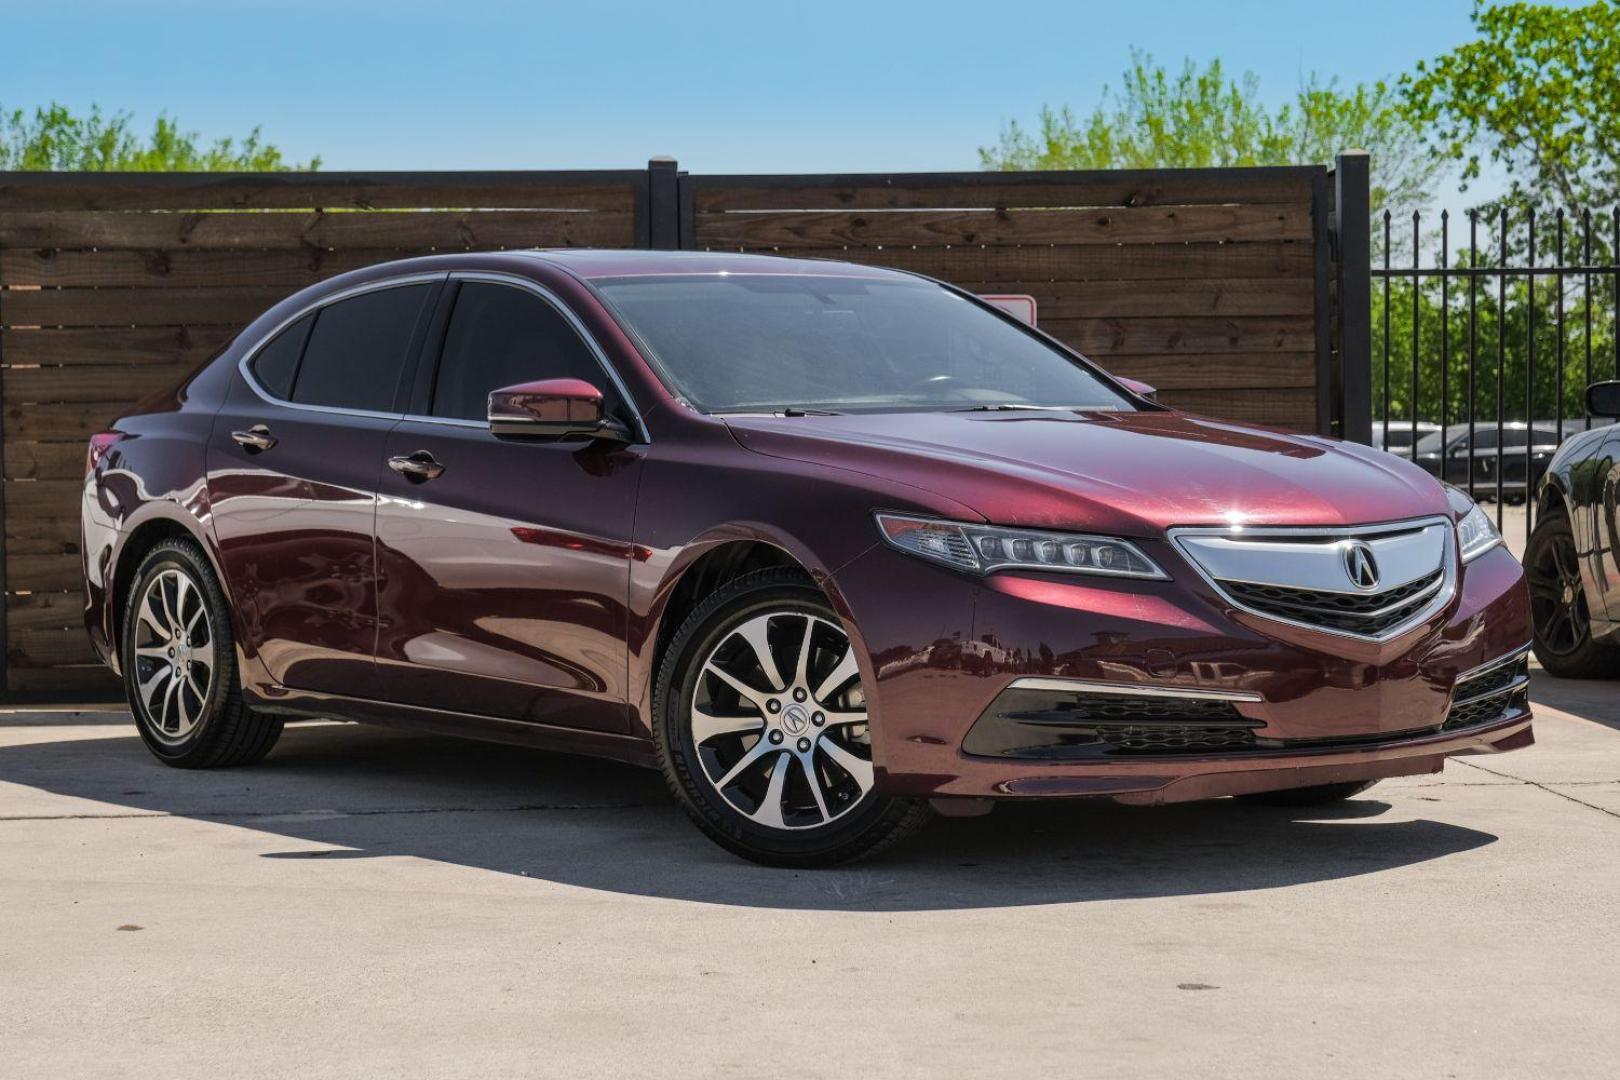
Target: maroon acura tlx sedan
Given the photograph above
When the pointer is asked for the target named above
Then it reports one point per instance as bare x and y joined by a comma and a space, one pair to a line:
831, 546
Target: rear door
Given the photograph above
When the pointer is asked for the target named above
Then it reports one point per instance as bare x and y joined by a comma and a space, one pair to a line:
504, 575
293, 464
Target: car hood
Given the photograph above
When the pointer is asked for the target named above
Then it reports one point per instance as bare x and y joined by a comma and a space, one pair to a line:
1127, 473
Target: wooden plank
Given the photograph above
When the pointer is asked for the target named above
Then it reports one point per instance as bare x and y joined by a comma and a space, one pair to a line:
604, 190
915, 191
146, 345
57, 572
1220, 370
84, 383
171, 267
1082, 262
50, 648
417, 232
45, 536
1289, 408
44, 461
67, 422
1138, 225
1097, 299
1104, 339
44, 611
40, 500
238, 305
88, 682
233, 305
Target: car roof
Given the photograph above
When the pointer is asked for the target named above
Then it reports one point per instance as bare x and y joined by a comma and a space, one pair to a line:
595, 263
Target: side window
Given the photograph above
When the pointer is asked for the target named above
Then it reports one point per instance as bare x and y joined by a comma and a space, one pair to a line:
357, 348
1515, 438
500, 335
276, 364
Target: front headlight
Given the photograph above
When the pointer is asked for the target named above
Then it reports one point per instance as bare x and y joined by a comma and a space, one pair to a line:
982, 549
1476, 534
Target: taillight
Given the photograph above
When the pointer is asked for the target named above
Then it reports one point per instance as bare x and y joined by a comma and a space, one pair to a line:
100, 444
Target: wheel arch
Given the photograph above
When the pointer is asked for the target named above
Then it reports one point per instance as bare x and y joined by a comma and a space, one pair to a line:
708, 563
162, 522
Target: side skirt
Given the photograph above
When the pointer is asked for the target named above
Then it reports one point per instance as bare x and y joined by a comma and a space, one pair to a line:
311, 705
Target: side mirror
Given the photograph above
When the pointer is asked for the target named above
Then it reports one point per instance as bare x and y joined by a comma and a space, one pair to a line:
1603, 399
1137, 387
549, 409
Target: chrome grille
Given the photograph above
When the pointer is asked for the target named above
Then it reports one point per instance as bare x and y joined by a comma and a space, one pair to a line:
1358, 613
1316, 578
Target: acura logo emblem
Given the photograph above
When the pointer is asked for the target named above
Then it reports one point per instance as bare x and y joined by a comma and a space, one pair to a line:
1360, 565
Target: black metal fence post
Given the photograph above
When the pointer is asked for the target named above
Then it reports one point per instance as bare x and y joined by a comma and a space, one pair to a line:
663, 204
1353, 227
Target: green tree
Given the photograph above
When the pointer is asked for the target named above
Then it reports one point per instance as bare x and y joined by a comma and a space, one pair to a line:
1537, 95
53, 138
1200, 117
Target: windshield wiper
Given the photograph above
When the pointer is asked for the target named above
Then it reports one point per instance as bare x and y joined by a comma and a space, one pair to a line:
1011, 407
797, 410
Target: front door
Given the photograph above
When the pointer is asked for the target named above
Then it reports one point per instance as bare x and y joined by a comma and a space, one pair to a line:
293, 465
504, 563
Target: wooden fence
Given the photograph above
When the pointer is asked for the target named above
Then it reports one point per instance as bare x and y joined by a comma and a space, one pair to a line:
1214, 285
1204, 283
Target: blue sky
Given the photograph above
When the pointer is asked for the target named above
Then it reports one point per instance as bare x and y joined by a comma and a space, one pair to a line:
725, 87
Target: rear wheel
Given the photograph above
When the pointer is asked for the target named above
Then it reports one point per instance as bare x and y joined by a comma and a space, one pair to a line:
179, 661
762, 728
1558, 605
1320, 795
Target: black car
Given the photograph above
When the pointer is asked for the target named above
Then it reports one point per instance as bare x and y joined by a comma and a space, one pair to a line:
1498, 453
1571, 561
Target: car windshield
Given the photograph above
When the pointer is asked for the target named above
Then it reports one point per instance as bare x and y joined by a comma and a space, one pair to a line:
1431, 442
777, 342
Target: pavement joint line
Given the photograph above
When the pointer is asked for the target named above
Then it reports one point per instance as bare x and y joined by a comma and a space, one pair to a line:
1547, 789
259, 815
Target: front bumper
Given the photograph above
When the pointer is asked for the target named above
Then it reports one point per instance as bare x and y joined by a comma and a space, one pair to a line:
941, 649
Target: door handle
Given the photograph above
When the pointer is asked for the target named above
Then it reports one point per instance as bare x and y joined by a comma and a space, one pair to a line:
416, 467
254, 439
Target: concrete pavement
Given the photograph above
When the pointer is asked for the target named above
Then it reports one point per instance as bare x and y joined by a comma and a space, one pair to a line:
367, 903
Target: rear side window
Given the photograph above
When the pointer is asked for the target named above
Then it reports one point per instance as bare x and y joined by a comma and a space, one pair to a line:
357, 349
501, 336
277, 363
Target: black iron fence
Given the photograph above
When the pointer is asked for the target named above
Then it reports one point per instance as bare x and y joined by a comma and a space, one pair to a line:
1483, 344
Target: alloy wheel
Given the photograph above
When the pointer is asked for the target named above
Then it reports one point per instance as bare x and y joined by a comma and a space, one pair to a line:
779, 722
174, 655
1557, 598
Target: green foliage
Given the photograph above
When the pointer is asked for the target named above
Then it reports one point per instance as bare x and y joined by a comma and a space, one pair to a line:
1200, 117
1490, 341
52, 138
1536, 94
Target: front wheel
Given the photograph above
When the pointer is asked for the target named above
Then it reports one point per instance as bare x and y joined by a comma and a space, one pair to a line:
762, 729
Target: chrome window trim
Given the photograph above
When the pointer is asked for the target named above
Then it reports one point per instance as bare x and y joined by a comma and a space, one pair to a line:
1443, 596
245, 364
1087, 686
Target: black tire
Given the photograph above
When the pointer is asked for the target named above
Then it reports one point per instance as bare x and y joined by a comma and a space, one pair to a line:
1561, 621
864, 825
1320, 795
222, 729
